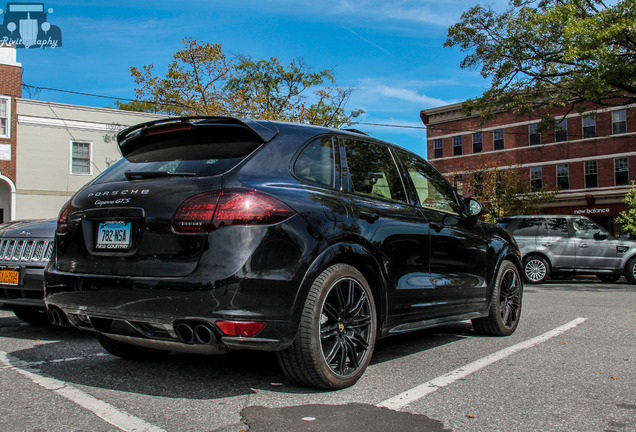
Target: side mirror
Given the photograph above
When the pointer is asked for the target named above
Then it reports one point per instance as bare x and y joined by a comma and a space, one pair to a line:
601, 235
473, 208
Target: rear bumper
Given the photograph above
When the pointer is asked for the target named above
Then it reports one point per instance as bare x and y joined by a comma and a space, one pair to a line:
152, 309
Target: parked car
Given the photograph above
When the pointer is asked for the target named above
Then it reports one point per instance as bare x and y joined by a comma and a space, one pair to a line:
559, 246
25, 249
214, 234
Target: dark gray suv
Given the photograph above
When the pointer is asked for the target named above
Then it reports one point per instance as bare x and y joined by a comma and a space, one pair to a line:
553, 245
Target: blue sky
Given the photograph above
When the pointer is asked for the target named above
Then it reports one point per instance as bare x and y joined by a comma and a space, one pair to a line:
390, 52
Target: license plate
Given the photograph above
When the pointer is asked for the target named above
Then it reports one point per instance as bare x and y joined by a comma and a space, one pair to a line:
10, 276
113, 235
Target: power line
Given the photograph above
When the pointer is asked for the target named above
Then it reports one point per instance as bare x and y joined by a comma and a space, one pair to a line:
106, 97
176, 104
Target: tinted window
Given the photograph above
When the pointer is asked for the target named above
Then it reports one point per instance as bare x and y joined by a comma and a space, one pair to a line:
316, 163
373, 171
557, 227
528, 227
181, 153
432, 189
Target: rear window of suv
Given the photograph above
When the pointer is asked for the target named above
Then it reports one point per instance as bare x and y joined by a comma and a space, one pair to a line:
198, 153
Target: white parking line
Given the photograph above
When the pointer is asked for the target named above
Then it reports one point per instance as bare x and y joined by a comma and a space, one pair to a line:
403, 399
101, 409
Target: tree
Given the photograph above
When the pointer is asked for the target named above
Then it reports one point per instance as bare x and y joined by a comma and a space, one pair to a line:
549, 53
626, 220
503, 192
202, 80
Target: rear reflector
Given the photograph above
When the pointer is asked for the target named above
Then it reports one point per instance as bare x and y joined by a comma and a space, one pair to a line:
211, 210
240, 328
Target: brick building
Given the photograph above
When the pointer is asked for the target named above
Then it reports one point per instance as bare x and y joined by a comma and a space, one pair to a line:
10, 91
590, 157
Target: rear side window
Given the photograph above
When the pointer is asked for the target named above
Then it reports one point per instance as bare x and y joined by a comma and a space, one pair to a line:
202, 152
528, 227
316, 163
373, 171
557, 227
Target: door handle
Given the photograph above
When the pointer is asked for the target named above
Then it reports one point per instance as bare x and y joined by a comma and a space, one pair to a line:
369, 217
546, 244
583, 245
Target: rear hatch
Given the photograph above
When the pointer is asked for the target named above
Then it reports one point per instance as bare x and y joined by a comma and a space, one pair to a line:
123, 222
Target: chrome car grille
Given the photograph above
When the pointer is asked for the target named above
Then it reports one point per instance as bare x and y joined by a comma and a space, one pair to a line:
25, 251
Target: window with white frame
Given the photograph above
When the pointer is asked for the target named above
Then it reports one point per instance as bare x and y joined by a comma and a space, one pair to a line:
561, 131
477, 142
619, 122
621, 171
498, 139
535, 136
563, 176
591, 174
457, 146
536, 178
5, 116
589, 126
80, 157
439, 148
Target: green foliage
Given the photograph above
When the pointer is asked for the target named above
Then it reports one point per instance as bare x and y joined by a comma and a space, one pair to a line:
504, 192
626, 220
202, 80
549, 53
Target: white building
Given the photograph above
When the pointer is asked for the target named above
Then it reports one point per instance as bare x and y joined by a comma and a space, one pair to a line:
50, 150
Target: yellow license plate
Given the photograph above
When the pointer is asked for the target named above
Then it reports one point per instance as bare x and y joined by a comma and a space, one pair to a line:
9, 276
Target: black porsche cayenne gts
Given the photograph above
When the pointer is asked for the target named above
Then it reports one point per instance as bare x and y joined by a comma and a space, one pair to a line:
213, 234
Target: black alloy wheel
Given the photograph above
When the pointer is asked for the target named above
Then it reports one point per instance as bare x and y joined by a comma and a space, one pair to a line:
505, 306
337, 331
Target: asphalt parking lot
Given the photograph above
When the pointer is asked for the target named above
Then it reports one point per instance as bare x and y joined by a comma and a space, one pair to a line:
571, 366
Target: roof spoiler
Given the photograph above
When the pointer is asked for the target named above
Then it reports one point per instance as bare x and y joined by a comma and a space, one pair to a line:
263, 130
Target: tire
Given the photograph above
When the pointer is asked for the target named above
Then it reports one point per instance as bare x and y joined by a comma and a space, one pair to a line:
337, 331
128, 351
33, 316
505, 304
608, 278
535, 270
630, 271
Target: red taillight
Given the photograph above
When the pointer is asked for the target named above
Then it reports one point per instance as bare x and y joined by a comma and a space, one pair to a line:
205, 212
195, 215
240, 328
241, 207
62, 219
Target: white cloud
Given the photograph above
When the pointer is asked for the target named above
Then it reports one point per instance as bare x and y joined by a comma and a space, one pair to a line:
409, 95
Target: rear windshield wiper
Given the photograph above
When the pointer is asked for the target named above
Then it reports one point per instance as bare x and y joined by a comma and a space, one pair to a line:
138, 175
